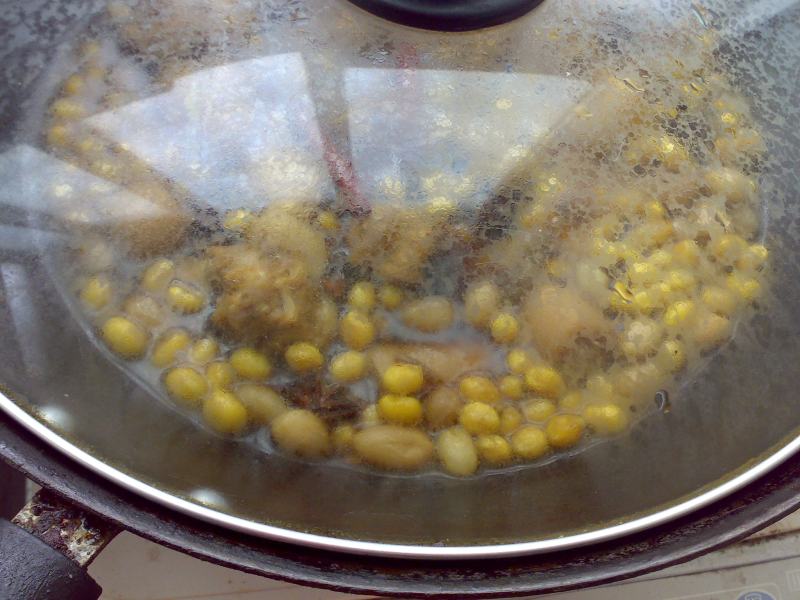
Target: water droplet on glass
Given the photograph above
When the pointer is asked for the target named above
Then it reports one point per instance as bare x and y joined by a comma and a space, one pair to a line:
662, 401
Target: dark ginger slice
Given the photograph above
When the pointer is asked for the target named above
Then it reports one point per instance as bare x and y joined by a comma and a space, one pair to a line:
332, 402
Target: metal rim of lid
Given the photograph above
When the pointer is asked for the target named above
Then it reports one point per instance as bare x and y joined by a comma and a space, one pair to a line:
373, 548
448, 15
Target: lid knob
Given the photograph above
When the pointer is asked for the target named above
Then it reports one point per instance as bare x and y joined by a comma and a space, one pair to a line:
448, 15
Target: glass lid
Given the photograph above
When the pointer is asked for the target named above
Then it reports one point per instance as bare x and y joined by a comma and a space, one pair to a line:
316, 275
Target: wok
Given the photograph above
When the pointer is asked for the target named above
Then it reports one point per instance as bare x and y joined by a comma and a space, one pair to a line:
68, 408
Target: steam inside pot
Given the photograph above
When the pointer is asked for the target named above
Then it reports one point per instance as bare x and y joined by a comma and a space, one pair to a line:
405, 251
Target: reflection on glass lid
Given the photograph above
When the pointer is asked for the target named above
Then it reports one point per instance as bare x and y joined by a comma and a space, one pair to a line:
397, 248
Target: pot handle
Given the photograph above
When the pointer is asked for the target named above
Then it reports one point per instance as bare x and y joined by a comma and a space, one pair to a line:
45, 549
